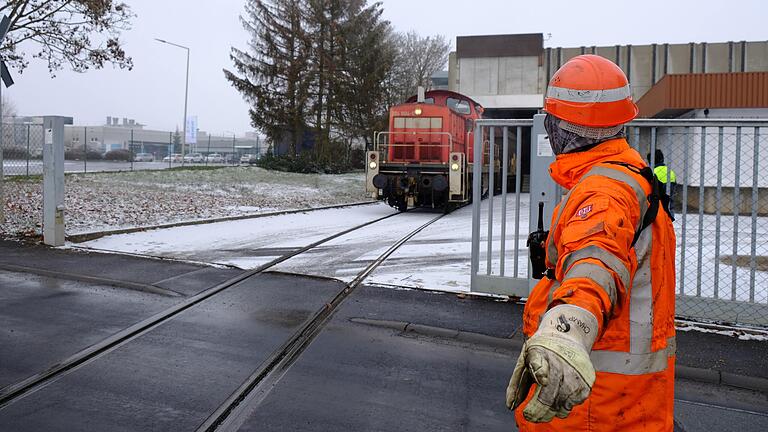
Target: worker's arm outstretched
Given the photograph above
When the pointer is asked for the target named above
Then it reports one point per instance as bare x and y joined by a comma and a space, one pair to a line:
592, 239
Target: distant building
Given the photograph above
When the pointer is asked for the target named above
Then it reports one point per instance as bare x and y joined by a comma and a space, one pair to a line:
129, 134
439, 80
508, 74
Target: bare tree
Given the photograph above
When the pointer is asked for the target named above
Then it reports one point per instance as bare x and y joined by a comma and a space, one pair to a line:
79, 34
418, 58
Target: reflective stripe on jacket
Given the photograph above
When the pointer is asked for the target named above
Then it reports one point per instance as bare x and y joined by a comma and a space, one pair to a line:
631, 290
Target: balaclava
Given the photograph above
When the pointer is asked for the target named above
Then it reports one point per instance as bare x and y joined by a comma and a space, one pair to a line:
566, 137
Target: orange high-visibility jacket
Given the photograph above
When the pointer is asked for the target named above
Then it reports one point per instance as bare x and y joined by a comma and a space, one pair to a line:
631, 290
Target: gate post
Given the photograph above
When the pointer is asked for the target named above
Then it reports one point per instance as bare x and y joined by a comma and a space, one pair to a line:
543, 188
53, 179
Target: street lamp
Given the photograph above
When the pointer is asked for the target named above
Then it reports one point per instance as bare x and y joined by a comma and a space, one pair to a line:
186, 95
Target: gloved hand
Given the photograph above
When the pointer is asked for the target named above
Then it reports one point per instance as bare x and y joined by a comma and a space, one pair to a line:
556, 357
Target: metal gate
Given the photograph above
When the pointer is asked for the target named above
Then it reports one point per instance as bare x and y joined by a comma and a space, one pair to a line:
720, 201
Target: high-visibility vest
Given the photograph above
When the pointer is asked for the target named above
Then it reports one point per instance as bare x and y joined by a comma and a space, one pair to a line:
634, 355
661, 172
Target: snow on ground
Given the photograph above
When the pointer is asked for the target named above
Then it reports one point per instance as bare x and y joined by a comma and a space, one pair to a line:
708, 274
245, 243
102, 201
345, 257
437, 258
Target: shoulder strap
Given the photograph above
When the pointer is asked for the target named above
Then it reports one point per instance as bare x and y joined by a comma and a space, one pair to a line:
654, 198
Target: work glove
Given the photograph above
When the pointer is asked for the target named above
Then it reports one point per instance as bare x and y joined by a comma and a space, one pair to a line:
556, 358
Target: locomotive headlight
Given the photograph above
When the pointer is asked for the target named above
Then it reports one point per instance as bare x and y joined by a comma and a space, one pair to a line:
454, 166
417, 111
372, 165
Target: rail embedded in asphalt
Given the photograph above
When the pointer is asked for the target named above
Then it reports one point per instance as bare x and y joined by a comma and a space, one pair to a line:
15, 391
232, 413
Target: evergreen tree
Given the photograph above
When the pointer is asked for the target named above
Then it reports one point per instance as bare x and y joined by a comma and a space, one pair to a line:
271, 72
327, 69
364, 87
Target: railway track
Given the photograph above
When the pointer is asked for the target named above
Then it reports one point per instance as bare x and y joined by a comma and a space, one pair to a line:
20, 389
232, 413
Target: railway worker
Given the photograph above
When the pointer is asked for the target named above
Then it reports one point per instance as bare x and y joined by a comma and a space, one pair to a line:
600, 346
665, 176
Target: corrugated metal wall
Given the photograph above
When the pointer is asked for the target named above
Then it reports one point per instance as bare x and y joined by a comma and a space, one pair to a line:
711, 90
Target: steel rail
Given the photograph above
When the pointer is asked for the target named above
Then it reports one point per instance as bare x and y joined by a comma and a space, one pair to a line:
13, 392
242, 402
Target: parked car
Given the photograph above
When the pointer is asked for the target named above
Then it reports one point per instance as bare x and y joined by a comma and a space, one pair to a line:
144, 157
193, 158
173, 158
214, 158
248, 159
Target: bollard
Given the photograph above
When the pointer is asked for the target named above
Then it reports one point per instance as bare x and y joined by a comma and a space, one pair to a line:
53, 179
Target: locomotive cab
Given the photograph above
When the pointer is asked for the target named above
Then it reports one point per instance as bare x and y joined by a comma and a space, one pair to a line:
424, 159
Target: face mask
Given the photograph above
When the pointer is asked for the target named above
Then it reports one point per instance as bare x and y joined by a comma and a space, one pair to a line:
563, 141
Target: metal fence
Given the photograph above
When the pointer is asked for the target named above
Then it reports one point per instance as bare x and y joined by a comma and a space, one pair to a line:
22, 151
720, 201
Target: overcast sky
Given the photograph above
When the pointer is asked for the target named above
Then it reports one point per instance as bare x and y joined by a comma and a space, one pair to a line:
153, 92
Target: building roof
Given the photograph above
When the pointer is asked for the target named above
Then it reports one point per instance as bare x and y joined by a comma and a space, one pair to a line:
511, 45
676, 94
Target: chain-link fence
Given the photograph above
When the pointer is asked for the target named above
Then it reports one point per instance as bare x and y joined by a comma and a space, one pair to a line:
717, 174
99, 149
22, 149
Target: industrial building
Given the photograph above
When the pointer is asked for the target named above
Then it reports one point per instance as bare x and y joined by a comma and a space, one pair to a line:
508, 74
129, 134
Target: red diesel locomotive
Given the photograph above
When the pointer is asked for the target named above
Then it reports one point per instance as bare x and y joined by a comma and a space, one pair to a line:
425, 158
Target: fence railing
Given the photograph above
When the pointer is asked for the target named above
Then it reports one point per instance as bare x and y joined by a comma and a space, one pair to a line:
85, 151
491, 265
720, 201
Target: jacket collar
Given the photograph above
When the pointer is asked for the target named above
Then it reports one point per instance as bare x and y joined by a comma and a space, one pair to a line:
568, 168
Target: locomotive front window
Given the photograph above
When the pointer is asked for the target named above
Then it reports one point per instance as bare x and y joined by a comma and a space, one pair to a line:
458, 105
418, 123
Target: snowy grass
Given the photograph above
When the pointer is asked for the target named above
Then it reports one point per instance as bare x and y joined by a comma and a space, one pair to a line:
101, 201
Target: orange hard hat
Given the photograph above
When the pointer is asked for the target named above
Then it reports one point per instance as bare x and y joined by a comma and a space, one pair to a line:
590, 90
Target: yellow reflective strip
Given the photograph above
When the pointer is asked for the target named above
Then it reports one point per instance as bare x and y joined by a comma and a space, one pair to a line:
641, 297
596, 273
633, 364
552, 253
589, 96
604, 256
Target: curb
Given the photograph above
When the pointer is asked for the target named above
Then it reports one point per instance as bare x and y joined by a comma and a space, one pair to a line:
84, 237
690, 373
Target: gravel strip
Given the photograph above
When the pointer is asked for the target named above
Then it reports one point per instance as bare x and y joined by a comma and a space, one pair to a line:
102, 201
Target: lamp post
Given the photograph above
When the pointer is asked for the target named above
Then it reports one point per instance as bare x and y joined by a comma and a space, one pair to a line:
186, 95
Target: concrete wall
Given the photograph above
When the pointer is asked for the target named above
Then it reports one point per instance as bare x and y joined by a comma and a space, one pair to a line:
727, 202
757, 56
499, 76
453, 73
646, 64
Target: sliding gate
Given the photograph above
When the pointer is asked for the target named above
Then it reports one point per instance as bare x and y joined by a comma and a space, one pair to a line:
720, 201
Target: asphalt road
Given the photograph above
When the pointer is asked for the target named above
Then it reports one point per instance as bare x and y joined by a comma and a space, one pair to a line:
364, 370
360, 373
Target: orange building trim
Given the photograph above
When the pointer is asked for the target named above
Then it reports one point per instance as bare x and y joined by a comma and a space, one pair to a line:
676, 94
